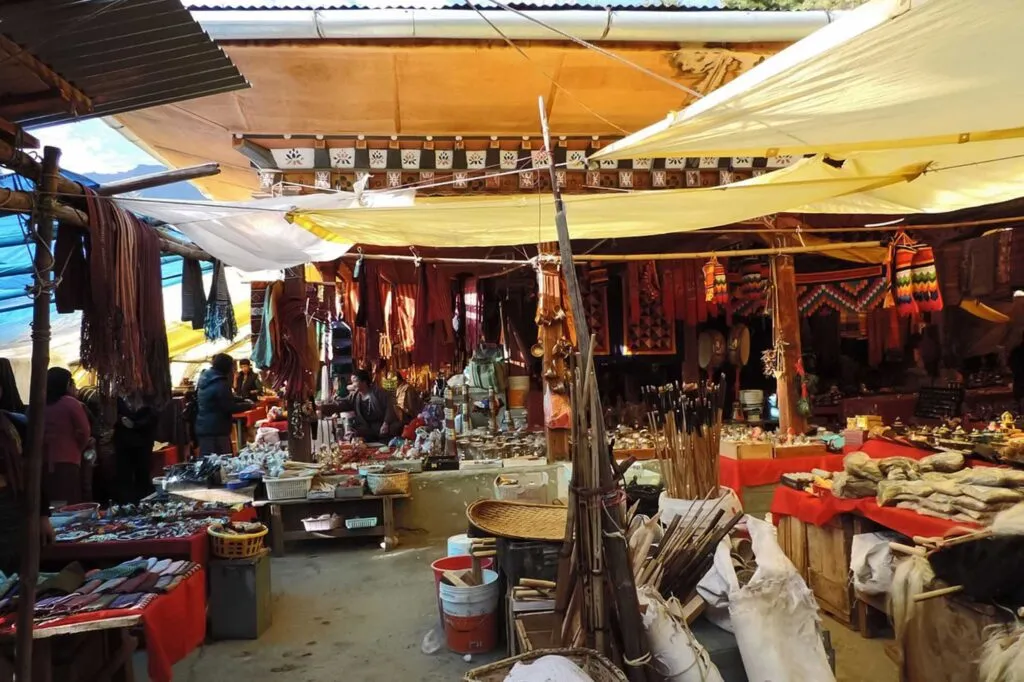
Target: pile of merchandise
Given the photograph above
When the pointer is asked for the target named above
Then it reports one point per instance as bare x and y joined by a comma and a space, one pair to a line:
938, 485
143, 521
130, 585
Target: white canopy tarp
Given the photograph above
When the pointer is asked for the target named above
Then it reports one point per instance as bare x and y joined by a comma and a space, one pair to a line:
890, 74
254, 235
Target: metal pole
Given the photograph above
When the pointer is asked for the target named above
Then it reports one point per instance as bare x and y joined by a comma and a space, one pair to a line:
42, 234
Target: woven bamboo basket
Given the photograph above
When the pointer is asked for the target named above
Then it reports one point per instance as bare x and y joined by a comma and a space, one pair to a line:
518, 520
599, 668
388, 484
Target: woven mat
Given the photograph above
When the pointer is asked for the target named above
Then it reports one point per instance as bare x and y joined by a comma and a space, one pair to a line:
518, 520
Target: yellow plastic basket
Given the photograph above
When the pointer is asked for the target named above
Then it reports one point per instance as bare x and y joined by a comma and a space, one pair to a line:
234, 546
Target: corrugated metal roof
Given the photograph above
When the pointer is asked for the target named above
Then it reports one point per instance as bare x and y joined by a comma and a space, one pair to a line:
122, 54
670, 5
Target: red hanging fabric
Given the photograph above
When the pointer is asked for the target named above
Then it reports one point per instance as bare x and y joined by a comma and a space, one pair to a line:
926, 290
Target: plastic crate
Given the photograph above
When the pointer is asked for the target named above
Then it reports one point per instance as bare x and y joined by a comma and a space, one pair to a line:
365, 522
527, 559
287, 488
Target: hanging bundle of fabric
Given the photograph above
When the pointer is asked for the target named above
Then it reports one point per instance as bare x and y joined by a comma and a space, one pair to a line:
927, 293
220, 314
721, 283
193, 296
709, 280
901, 275
751, 280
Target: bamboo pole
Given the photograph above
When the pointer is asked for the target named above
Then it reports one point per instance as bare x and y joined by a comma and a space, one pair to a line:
42, 234
159, 179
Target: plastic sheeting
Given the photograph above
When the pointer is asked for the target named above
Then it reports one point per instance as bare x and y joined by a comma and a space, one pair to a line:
254, 235
515, 220
890, 74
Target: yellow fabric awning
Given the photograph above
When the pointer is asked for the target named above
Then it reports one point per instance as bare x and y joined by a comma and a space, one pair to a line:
891, 74
529, 219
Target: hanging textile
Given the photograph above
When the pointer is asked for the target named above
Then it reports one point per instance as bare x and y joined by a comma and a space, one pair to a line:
753, 279
296, 346
72, 269
721, 284
193, 296
266, 340
220, 314
1004, 254
978, 268
633, 292
473, 305
257, 300
668, 291
927, 295
901, 274
370, 313
124, 338
434, 337
709, 280
948, 266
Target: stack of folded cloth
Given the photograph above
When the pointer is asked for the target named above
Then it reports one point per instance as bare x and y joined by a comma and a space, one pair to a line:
131, 585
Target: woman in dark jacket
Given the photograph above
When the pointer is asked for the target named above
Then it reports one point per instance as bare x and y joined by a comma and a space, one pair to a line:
216, 404
133, 443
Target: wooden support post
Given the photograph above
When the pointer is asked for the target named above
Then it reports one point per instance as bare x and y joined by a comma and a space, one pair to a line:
300, 449
557, 439
788, 317
42, 235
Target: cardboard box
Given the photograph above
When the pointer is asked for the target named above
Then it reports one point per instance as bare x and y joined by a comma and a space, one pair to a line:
737, 449
806, 450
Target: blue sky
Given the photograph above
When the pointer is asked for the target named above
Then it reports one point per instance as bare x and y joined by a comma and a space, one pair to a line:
92, 147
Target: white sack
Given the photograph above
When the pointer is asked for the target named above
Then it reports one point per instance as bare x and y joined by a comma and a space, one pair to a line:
775, 617
678, 656
871, 562
547, 669
717, 584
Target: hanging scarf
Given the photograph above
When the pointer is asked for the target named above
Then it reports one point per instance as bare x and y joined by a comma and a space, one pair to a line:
71, 268
193, 296
721, 284
709, 280
901, 279
220, 314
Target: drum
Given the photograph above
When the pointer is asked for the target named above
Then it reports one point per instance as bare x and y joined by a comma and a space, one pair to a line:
739, 345
710, 349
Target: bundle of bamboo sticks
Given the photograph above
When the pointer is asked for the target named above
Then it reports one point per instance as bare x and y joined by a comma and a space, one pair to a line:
688, 429
596, 594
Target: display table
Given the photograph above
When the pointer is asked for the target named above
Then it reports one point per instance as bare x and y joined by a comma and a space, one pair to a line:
284, 518
193, 547
174, 625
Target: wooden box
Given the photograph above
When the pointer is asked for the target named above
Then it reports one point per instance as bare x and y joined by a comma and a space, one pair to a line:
806, 450
855, 438
540, 630
821, 555
736, 449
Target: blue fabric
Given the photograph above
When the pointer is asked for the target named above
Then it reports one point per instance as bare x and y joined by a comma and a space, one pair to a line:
16, 256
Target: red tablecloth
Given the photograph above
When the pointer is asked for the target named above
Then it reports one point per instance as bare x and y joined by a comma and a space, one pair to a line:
880, 449
738, 473
252, 416
195, 548
819, 510
174, 624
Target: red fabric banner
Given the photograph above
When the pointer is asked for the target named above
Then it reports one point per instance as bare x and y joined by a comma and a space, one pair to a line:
739, 473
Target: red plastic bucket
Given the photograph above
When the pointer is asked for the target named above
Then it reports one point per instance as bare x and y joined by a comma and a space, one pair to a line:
452, 563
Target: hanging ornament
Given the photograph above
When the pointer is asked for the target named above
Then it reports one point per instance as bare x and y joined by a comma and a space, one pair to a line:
926, 280
721, 284
901, 280
751, 280
709, 280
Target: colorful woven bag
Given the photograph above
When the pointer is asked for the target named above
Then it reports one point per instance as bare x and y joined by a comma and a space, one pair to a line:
901, 275
927, 294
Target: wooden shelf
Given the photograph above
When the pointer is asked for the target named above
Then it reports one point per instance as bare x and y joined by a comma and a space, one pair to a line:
375, 531
302, 500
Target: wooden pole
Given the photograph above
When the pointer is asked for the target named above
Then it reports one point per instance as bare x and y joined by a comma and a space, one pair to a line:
557, 439
42, 234
620, 574
788, 317
23, 202
166, 177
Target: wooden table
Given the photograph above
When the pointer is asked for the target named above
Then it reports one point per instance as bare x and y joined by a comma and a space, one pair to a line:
284, 518
97, 651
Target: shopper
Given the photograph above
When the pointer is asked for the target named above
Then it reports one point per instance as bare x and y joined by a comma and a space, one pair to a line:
67, 436
407, 400
133, 443
375, 417
247, 382
216, 404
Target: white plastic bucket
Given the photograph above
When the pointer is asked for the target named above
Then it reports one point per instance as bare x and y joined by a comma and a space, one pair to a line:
671, 507
752, 398
459, 545
470, 615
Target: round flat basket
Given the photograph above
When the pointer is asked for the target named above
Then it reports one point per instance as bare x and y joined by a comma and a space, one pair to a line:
710, 349
233, 545
388, 484
739, 345
518, 520
596, 666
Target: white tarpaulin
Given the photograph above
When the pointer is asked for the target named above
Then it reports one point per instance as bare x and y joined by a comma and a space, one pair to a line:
254, 235
890, 74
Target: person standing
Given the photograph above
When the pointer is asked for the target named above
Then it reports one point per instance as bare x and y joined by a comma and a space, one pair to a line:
133, 444
216, 405
68, 435
247, 381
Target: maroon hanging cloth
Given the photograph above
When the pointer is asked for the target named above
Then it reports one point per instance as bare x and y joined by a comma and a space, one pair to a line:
370, 315
472, 299
633, 292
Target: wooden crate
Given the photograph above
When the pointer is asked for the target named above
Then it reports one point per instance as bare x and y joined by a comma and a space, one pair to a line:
821, 554
806, 450
541, 630
734, 449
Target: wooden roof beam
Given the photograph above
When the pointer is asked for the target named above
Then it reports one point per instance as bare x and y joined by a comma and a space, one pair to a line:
78, 101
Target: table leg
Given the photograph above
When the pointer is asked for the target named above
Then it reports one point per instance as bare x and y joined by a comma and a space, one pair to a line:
42, 661
276, 531
119, 667
390, 538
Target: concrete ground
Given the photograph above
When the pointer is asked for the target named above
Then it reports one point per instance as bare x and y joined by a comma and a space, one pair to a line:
354, 613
